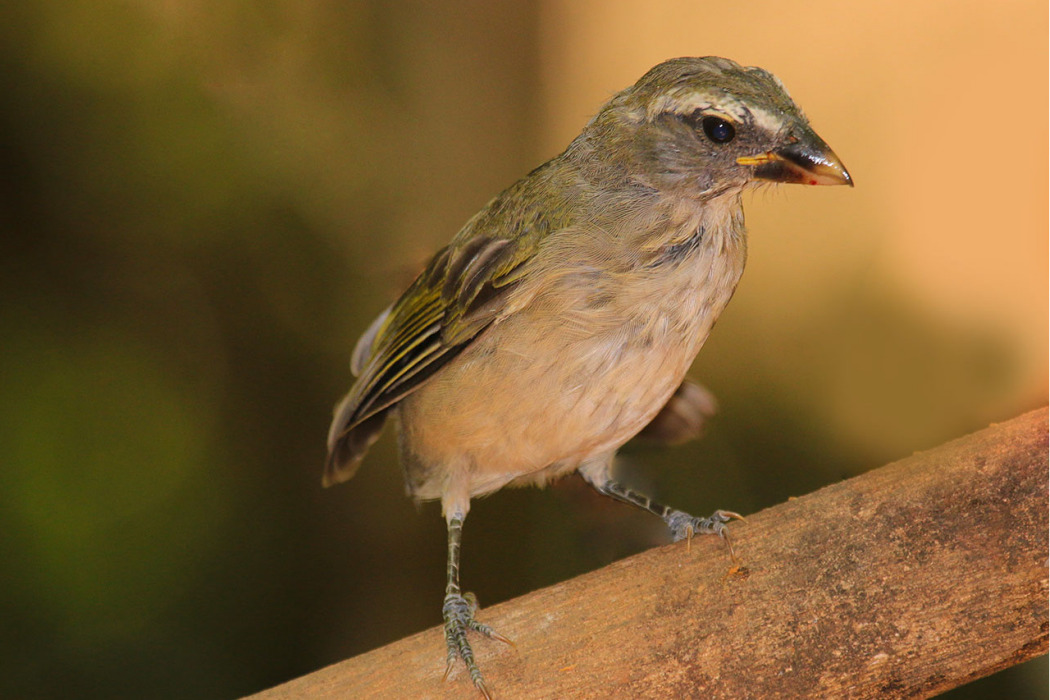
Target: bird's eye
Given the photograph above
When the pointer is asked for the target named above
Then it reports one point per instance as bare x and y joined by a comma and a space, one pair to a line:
718, 129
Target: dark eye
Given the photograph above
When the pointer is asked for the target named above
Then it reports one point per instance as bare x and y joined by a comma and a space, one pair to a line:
717, 129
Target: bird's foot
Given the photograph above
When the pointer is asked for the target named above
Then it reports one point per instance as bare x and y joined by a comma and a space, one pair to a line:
684, 526
458, 612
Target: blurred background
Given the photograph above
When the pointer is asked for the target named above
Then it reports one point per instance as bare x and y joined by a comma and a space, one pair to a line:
202, 204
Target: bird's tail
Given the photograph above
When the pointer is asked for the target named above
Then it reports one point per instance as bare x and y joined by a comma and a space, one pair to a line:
347, 446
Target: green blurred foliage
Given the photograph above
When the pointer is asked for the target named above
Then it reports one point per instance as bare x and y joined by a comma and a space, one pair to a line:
201, 205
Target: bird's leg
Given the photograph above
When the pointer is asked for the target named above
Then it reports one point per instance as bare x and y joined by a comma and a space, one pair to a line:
458, 611
682, 525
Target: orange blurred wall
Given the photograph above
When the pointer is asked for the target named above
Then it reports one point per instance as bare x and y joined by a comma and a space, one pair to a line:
939, 109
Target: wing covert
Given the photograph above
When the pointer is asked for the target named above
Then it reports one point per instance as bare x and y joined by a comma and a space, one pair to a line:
462, 290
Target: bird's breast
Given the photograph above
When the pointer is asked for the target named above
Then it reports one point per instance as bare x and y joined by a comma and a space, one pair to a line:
578, 371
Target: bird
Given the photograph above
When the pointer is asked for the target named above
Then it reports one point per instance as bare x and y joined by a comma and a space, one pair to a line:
560, 321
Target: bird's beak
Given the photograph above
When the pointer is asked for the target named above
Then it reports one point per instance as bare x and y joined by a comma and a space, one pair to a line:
805, 161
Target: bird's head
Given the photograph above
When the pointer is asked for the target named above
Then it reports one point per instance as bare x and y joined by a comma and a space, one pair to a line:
700, 127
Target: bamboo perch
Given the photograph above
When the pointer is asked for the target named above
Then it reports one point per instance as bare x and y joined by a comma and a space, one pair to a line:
903, 582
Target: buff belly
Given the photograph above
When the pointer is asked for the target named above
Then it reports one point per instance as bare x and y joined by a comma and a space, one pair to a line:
567, 379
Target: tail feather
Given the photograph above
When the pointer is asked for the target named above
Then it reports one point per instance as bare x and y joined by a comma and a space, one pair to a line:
346, 448
347, 445
684, 416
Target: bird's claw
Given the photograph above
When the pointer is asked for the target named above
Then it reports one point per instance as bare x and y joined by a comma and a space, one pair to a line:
458, 611
684, 526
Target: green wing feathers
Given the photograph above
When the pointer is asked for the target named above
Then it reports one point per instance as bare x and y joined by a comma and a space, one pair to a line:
460, 293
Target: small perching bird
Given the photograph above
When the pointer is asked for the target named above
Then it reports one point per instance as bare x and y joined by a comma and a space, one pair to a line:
560, 321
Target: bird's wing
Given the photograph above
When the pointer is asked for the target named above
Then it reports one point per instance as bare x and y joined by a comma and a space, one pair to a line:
461, 292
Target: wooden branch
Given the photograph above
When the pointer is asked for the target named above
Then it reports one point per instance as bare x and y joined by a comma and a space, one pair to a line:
903, 582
